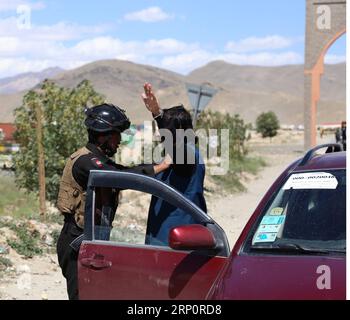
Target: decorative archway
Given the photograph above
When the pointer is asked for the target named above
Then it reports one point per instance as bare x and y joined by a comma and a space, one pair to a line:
325, 23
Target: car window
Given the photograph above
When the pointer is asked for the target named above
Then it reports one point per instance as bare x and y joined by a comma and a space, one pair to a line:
140, 219
309, 211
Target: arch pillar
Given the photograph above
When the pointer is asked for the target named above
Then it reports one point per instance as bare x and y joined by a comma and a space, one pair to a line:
325, 23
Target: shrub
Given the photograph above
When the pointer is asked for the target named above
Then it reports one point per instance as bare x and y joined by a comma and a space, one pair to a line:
267, 124
27, 243
239, 160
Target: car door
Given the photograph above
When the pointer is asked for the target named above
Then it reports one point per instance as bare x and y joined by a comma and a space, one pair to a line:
112, 270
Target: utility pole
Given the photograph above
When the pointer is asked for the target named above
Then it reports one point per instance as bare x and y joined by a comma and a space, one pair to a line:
41, 159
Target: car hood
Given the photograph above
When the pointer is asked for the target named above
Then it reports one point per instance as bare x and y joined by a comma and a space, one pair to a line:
265, 277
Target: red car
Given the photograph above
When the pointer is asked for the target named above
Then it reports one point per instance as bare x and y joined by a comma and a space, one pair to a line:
293, 247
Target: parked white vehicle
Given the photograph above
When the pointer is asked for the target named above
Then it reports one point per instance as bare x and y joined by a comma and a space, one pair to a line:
6, 162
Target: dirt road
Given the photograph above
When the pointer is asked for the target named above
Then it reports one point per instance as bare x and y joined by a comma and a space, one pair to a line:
233, 212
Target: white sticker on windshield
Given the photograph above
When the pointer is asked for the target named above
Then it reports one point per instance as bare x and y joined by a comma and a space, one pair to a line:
311, 180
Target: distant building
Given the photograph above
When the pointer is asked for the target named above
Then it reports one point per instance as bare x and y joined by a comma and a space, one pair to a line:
7, 131
8, 143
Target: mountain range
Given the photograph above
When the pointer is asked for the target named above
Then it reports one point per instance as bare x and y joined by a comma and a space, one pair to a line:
245, 90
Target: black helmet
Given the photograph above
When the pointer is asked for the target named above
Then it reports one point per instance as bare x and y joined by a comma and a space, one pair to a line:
105, 118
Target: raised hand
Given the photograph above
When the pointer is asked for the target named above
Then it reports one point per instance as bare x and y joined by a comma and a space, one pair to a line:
150, 100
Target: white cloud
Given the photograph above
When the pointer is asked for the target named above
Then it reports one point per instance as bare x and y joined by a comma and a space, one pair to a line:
24, 54
61, 31
166, 53
255, 44
334, 59
13, 66
152, 14
68, 45
11, 5
103, 47
186, 62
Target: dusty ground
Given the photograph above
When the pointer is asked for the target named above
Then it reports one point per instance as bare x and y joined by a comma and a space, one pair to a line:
40, 277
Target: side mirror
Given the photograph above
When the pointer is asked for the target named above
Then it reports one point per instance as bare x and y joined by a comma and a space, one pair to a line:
191, 237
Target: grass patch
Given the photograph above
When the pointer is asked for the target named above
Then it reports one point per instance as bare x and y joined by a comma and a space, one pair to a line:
15, 202
27, 243
19, 203
250, 165
232, 181
5, 263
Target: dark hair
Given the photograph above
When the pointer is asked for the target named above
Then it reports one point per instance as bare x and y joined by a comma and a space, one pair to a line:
179, 118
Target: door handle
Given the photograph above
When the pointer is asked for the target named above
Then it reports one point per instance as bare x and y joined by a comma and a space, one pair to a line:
96, 264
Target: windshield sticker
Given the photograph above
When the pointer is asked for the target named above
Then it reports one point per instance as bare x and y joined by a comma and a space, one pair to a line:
311, 180
265, 237
272, 220
276, 211
269, 228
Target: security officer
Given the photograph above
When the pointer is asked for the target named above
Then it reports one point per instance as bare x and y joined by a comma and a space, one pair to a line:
105, 123
343, 134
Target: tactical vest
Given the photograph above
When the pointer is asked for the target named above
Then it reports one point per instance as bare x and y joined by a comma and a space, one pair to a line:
71, 196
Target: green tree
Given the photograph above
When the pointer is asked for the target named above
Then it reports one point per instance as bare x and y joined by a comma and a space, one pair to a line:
238, 130
63, 132
239, 161
267, 124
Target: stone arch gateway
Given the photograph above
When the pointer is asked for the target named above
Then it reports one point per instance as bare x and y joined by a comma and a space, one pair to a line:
325, 23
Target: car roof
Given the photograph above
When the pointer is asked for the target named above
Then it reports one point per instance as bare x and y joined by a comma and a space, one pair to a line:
327, 161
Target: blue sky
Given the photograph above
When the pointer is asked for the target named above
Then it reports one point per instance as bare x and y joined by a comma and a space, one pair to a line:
177, 35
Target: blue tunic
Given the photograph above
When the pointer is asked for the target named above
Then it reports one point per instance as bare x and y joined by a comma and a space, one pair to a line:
162, 217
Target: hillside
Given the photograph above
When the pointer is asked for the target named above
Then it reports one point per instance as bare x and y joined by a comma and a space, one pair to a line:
121, 82
287, 79
247, 90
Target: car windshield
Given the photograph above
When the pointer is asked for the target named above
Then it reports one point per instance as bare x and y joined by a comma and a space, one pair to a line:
308, 214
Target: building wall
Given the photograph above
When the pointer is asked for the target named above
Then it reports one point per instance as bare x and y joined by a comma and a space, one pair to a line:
7, 131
